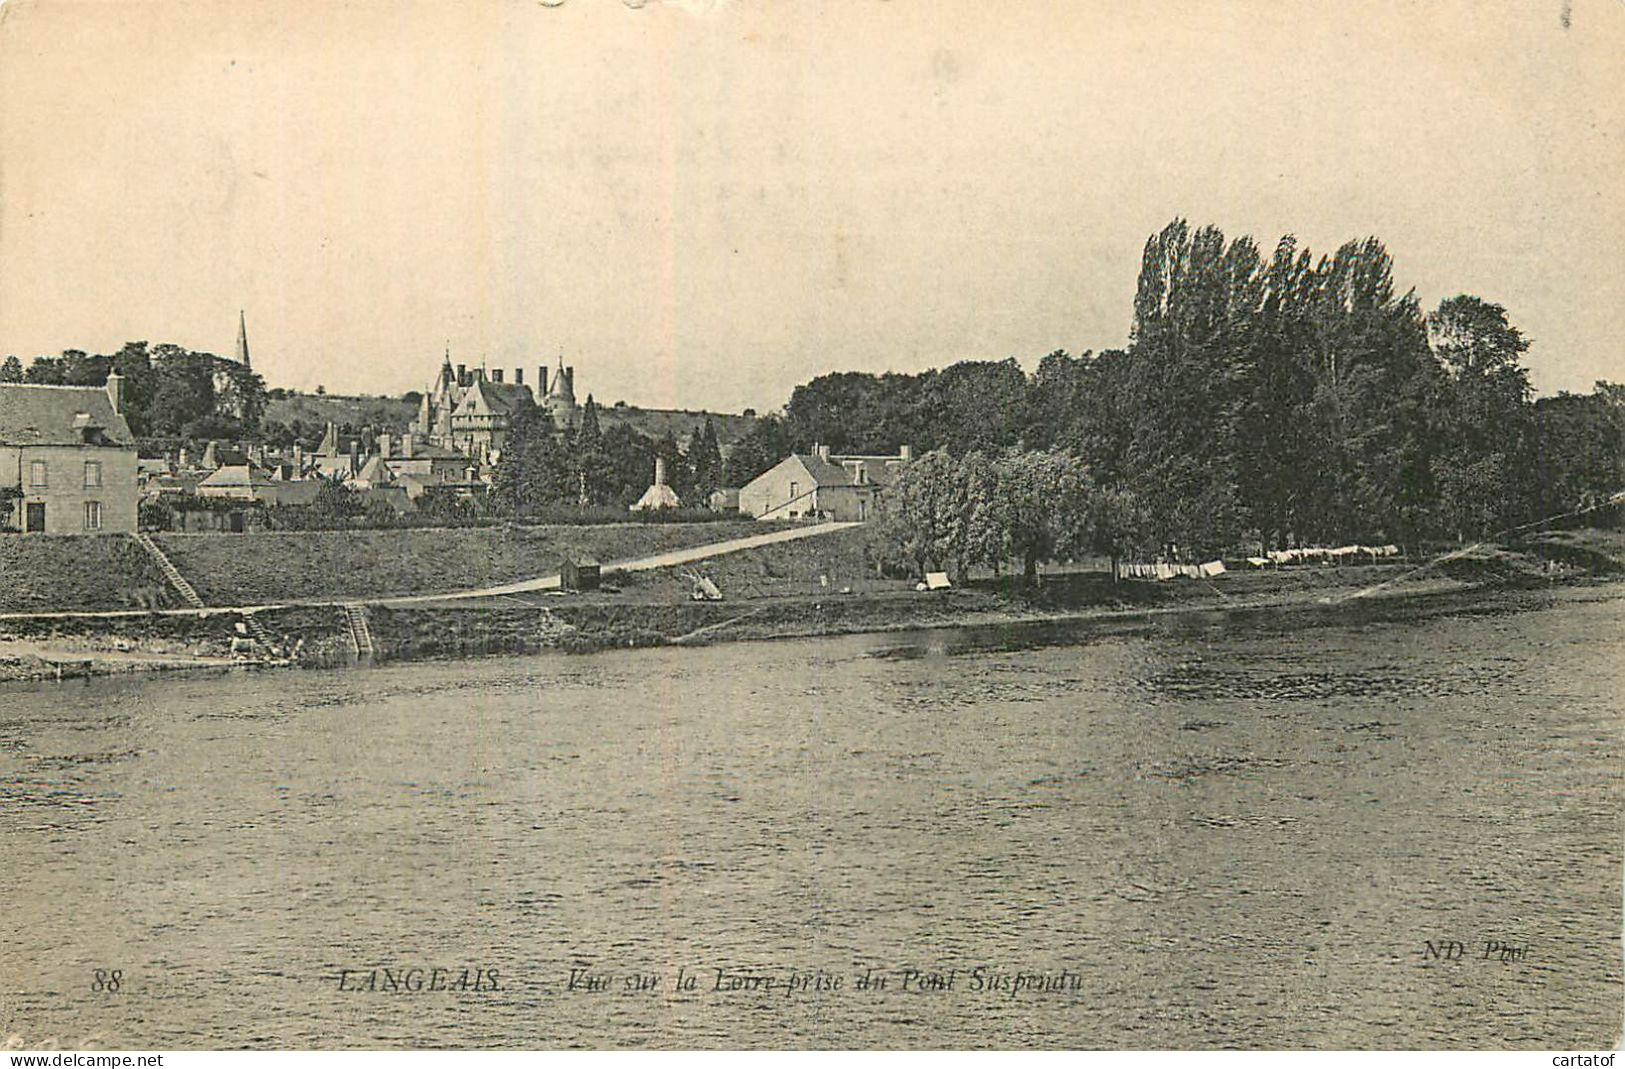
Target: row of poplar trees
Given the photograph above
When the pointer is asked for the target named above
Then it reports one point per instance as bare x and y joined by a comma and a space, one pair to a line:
1264, 400
1288, 400
1298, 400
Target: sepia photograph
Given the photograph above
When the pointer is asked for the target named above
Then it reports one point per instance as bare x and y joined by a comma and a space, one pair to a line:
873, 525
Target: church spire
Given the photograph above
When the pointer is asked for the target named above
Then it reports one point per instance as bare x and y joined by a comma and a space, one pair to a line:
242, 341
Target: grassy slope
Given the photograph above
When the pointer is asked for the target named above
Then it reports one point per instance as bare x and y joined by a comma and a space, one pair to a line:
784, 569
313, 411
90, 572
655, 422
308, 565
98, 573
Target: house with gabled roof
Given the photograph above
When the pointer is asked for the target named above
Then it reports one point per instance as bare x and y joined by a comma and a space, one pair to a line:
805, 485
820, 485
250, 482
70, 457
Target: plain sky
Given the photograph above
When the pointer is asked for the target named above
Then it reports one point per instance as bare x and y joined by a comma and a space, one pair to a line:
704, 204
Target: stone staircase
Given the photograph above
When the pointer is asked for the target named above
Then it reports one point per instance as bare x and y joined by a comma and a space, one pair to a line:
360, 633
172, 573
257, 629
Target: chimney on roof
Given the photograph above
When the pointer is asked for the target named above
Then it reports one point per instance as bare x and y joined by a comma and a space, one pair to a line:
462, 374
355, 455
496, 374
298, 460
905, 453
660, 471
518, 376
115, 389
386, 442
409, 445
541, 382
822, 451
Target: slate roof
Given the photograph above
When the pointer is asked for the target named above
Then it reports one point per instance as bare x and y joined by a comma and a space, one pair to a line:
497, 398
237, 475
51, 415
822, 471
376, 471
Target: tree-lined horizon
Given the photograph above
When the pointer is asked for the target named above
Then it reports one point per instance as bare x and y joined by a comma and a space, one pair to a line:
1273, 399
1263, 398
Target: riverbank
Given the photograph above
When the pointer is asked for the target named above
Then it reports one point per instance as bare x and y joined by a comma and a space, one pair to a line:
112, 573
823, 586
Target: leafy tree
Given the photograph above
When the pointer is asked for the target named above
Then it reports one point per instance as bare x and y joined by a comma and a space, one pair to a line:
924, 515
705, 456
834, 410
335, 503
679, 471
980, 537
239, 394
82, 369
1579, 448
1118, 526
134, 363
47, 371
533, 471
1057, 403
584, 443
183, 392
1484, 469
11, 370
444, 505
766, 443
970, 405
1193, 313
1046, 505
629, 461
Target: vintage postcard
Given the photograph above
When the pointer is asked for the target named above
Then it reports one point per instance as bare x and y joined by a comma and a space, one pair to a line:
704, 524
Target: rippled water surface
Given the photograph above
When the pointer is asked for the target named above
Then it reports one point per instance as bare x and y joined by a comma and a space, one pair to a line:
1219, 830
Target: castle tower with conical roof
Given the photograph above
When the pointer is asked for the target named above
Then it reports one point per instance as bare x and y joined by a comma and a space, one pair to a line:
561, 397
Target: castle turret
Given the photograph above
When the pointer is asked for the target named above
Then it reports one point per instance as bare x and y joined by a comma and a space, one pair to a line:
561, 396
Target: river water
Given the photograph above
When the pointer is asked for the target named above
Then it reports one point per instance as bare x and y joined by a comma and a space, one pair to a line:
1206, 829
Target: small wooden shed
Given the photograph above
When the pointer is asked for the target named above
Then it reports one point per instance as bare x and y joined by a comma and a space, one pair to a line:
578, 573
